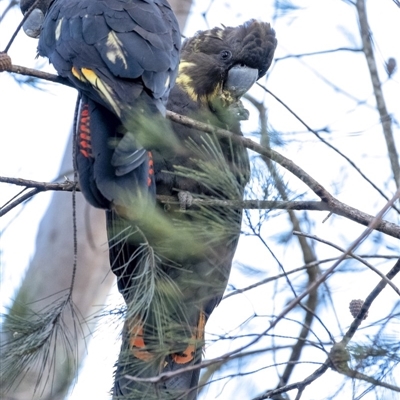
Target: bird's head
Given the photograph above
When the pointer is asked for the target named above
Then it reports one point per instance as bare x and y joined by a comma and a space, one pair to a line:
225, 62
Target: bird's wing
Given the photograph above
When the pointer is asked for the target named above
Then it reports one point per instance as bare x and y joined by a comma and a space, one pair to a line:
122, 56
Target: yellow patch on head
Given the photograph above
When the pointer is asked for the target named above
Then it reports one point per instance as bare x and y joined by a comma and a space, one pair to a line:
215, 94
185, 81
184, 65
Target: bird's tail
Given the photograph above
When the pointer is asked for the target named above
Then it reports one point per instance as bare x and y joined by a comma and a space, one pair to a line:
143, 373
163, 333
112, 165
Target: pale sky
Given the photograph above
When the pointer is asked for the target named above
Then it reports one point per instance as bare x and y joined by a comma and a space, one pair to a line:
31, 148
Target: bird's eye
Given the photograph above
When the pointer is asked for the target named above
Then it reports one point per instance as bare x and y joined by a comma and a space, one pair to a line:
225, 55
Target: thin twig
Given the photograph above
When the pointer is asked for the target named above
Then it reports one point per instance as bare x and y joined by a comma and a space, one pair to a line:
350, 254
334, 205
350, 333
309, 255
298, 385
351, 162
302, 268
368, 301
10, 5
271, 279
37, 187
386, 119
67, 185
316, 53
26, 16
27, 195
18, 69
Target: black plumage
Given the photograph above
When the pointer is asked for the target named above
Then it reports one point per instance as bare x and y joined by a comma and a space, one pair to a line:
172, 265
122, 56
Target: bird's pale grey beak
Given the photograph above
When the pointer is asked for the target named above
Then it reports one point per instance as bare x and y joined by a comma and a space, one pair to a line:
33, 25
240, 79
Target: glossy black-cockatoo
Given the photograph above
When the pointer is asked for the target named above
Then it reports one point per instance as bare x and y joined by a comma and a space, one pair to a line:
172, 264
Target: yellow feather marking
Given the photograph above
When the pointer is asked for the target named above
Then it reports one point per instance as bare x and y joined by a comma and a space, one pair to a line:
103, 89
78, 75
216, 93
107, 93
115, 49
90, 76
185, 81
58, 28
185, 64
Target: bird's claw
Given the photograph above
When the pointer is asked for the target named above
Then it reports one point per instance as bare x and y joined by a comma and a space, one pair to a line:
238, 111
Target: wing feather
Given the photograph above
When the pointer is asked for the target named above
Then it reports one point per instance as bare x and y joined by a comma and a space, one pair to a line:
121, 39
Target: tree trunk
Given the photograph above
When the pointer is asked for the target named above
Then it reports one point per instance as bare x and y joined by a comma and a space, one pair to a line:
49, 275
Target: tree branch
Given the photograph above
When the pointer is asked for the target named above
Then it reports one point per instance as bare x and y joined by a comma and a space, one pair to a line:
348, 336
25, 17
351, 162
358, 258
298, 385
18, 69
316, 53
333, 205
309, 255
37, 187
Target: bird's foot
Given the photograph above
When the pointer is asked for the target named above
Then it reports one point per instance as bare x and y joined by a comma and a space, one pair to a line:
197, 336
136, 341
238, 111
138, 347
